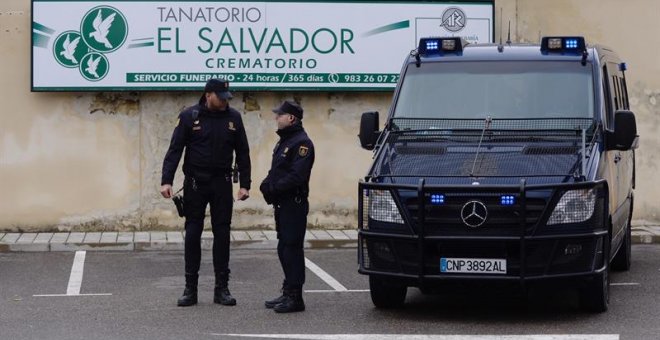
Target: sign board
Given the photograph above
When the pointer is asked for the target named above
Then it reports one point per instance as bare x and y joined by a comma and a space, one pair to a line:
276, 45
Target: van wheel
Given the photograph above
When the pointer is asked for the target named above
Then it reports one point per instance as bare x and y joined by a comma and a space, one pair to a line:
385, 294
622, 258
595, 295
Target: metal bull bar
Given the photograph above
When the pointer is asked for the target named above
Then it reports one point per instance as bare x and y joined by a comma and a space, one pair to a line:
522, 189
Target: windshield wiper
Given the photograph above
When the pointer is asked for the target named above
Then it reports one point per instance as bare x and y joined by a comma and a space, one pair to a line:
487, 123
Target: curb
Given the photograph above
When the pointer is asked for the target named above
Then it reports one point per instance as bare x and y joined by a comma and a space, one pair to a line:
162, 241
174, 240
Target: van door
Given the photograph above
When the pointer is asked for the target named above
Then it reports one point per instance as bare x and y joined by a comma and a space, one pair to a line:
622, 160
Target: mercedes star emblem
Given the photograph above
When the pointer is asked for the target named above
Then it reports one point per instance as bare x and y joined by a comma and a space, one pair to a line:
474, 213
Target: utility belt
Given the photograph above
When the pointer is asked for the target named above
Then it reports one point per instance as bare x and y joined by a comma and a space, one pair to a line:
204, 175
297, 195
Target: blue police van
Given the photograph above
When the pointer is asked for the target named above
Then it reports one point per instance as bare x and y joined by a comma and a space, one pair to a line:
500, 162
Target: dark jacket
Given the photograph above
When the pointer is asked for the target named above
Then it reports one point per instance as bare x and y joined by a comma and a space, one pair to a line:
210, 142
293, 158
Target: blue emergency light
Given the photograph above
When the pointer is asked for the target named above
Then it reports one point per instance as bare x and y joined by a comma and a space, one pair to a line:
437, 199
508, 200
440, 46
563, 45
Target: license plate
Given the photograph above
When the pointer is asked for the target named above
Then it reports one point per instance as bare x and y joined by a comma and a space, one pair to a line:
472, 266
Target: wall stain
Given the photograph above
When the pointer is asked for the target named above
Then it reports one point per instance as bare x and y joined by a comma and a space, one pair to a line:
115, 103
250, 102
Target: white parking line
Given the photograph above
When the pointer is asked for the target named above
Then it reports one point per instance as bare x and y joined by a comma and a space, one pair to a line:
54, 295
624, 284
325, 276
426, 336
75, 279
335, 291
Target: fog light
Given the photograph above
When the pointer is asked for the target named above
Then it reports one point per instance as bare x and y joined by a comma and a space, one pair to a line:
573, 249
382, 251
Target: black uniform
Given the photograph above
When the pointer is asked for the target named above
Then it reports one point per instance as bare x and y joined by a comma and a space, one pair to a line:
210, 139
287, 188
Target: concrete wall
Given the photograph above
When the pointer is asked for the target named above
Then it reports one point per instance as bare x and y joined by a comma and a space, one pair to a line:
88, 161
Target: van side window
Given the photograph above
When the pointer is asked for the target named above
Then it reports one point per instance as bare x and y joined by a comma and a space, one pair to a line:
616, 94
624, 93
609, 117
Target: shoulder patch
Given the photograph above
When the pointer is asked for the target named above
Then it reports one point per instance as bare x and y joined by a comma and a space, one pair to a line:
303, 151
178, 120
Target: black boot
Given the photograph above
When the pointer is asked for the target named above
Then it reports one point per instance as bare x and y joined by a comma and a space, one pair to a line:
189, 296
221, 293
292, 302
274, 302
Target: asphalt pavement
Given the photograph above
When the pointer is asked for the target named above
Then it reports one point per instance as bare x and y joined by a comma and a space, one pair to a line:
132, 295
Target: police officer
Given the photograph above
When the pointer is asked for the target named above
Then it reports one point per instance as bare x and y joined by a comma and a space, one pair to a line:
211, 132
287, 187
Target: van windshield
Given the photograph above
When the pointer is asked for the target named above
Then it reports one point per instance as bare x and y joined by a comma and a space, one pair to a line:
501, 90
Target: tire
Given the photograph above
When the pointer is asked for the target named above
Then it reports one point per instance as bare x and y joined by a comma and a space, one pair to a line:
595, 295
385, 294
622, 259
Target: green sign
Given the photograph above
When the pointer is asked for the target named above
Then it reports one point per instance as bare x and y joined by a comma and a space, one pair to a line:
178, 45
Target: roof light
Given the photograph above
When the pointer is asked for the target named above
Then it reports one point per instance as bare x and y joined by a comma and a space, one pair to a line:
570, 43
448, 44
431, 45
554, 44
563, 45
440, 46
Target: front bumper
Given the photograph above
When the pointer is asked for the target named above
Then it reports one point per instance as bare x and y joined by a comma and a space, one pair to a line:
532, 250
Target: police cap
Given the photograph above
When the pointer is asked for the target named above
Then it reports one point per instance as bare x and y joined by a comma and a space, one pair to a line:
219, 86
290, 107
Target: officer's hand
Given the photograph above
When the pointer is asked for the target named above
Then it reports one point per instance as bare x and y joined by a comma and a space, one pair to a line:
243, 194
166, 190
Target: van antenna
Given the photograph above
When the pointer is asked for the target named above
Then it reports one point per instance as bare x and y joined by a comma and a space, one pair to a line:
508, 38
500, 47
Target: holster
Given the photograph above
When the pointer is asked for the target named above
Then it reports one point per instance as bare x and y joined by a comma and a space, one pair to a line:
178, 202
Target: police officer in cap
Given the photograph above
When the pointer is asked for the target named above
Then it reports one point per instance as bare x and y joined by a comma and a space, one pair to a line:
210, 132
287, 187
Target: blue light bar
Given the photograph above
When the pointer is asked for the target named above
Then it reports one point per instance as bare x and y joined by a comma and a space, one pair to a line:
571, 43
563, 45
508, 200
437, 199
440, 46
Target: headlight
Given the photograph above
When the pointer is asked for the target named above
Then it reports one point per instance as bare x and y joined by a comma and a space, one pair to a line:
383, 208
575, 206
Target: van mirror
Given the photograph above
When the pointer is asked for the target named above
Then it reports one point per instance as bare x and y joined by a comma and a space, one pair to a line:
624, 136
369, 130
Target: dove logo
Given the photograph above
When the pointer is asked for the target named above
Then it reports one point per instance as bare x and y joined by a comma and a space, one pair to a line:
69, 48
104, 29
94, 66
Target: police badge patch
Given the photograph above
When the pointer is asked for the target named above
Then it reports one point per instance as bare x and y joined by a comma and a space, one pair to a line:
303, 151
231, 126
